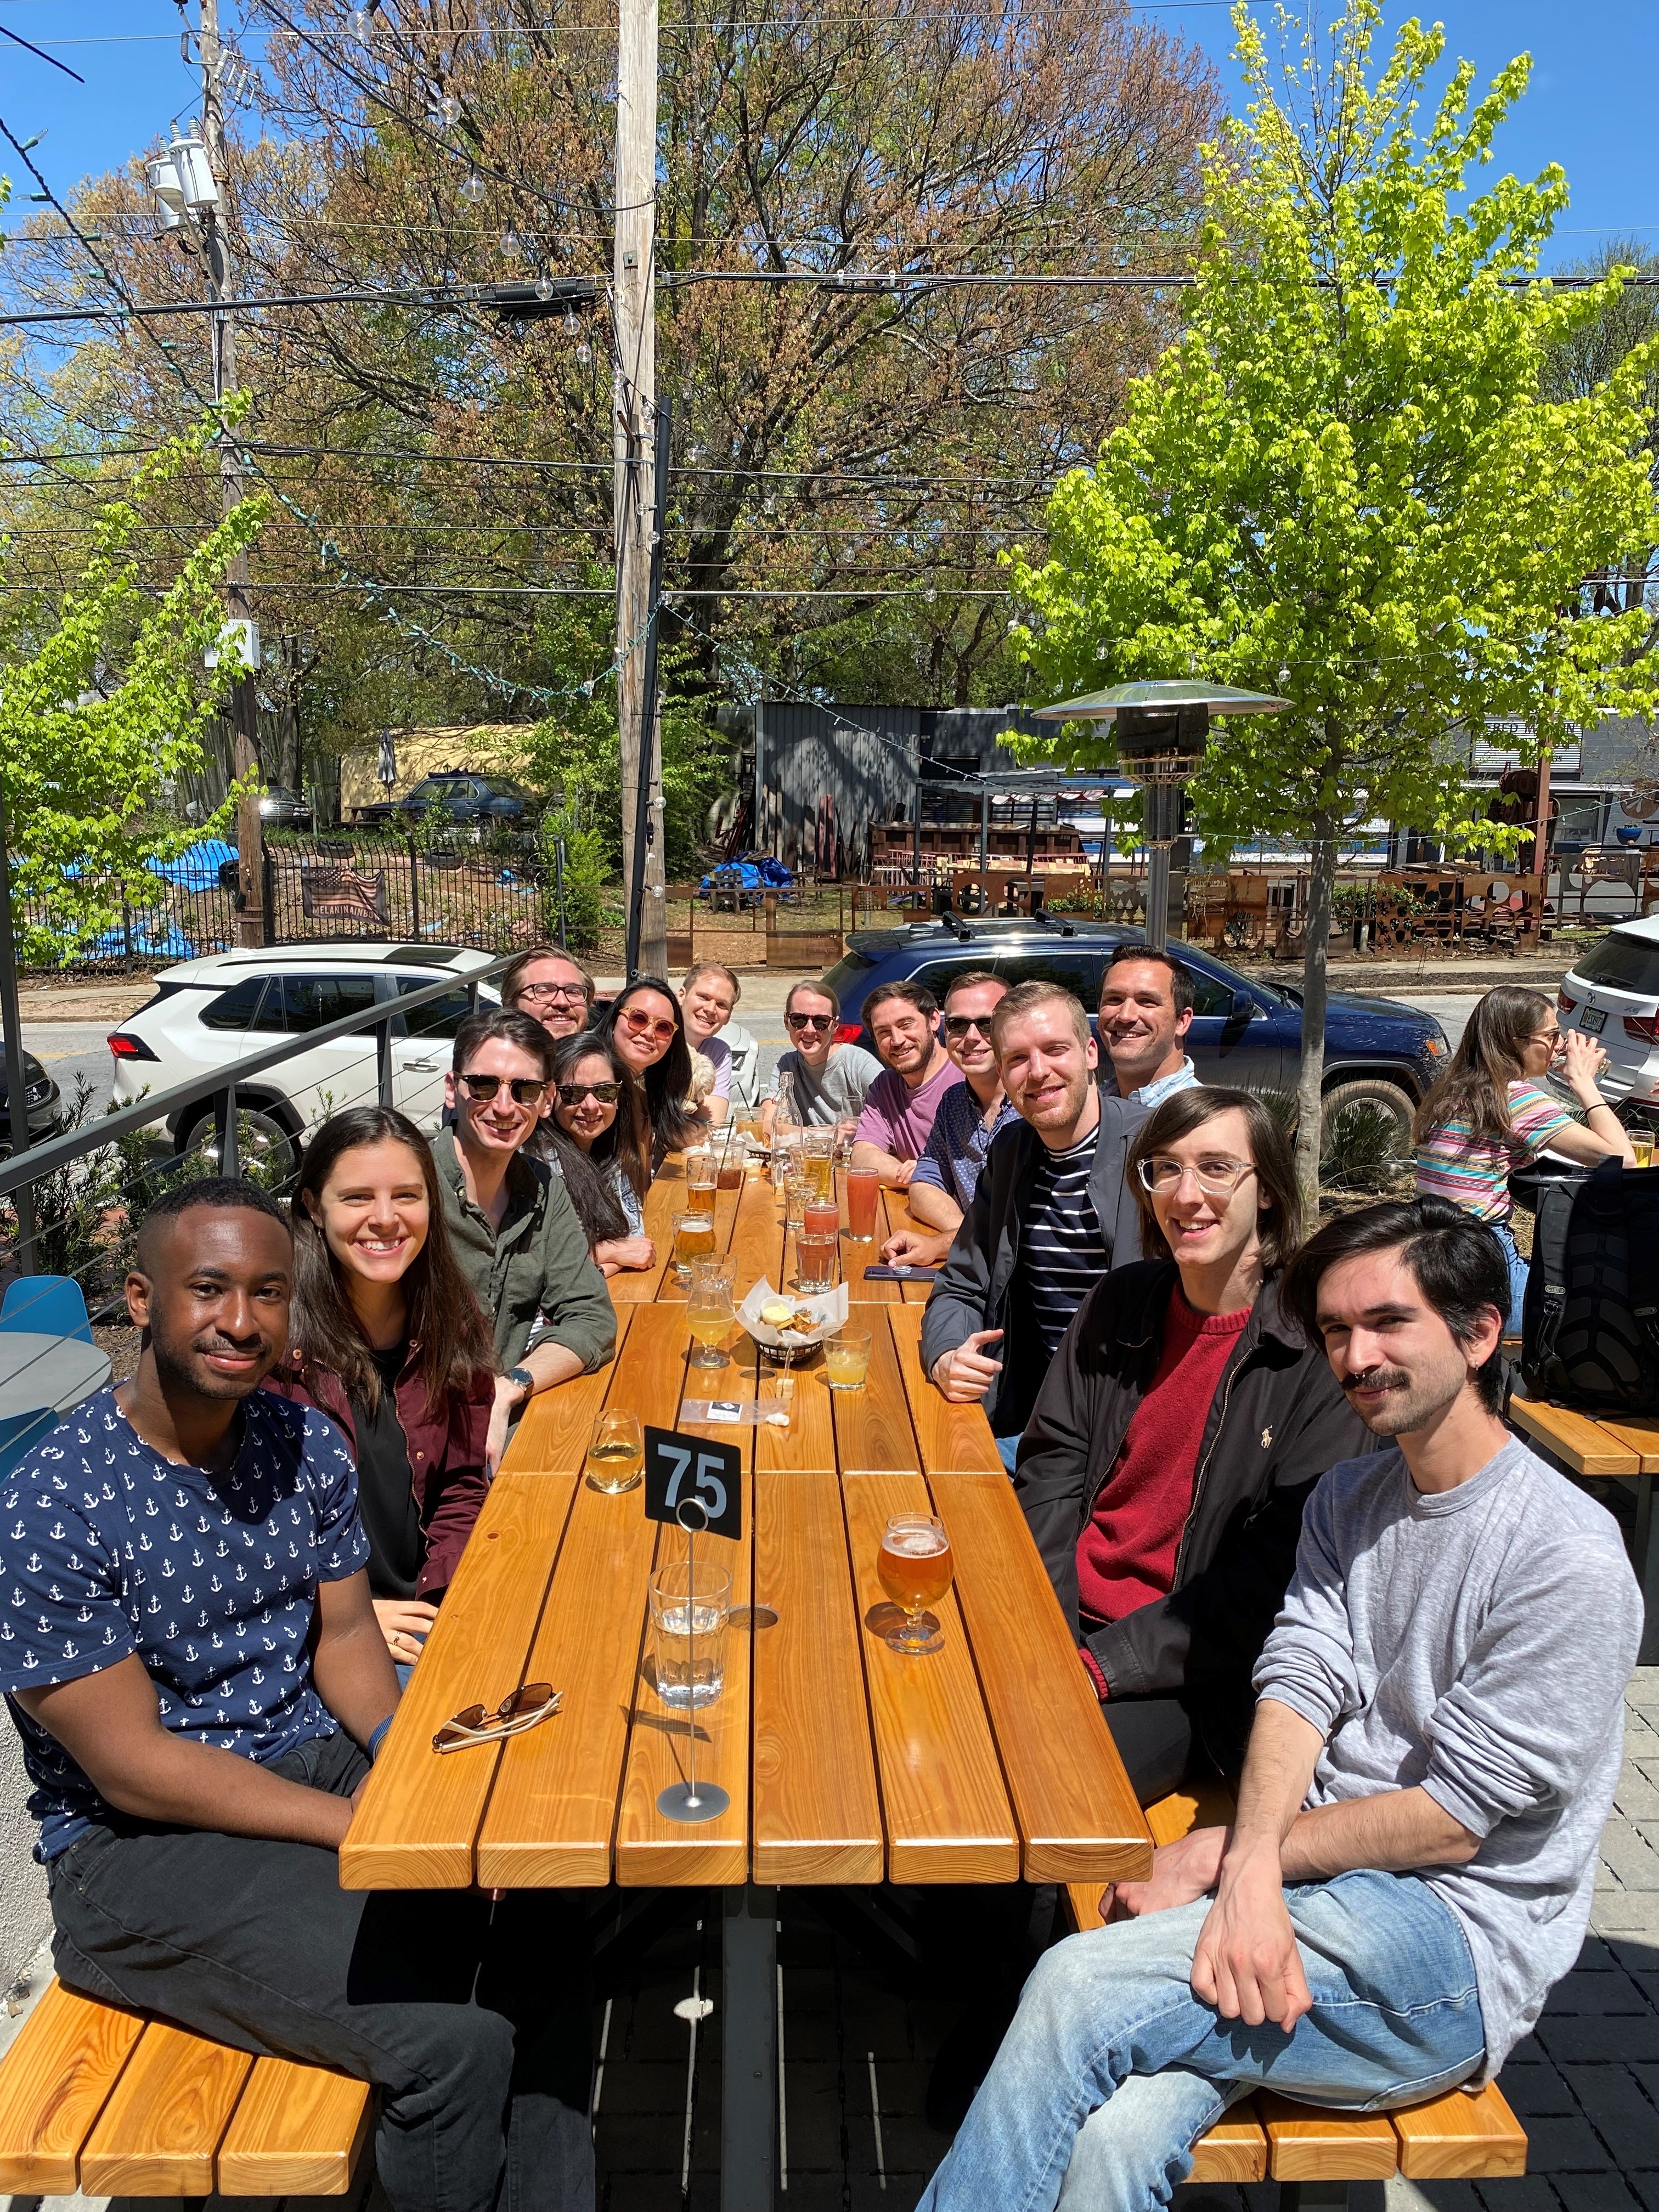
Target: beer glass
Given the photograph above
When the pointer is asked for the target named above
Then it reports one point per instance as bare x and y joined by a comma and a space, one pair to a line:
1641, 1143
690, 1604
701, 1179
914, 1568
863, 1193
819, 1161
846, 1359
693, 1239
615, 1453
708, 1314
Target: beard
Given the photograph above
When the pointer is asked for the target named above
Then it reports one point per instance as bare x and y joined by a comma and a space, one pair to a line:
1411, 1400
180, 1374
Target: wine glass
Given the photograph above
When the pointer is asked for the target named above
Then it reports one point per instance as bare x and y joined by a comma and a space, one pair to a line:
915, 1570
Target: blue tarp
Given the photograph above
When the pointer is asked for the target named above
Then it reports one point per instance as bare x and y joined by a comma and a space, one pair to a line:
166, 944
756, 872
198, 869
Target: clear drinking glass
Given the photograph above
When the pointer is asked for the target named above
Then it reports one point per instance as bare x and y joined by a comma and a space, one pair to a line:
815, 1262
708, 1313
693, 1239
797, 1192
863, 1196
615, 1453
690, 1604
846, 1359
701, 1178
915, 1570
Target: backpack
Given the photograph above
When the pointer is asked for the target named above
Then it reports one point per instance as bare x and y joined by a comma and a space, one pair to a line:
1590, 1317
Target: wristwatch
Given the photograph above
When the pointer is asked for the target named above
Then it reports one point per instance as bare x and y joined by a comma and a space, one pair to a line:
522, 1381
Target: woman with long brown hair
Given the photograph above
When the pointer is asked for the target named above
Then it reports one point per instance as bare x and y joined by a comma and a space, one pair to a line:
598, 1139
1490, 1114
387, 1339
645, 1024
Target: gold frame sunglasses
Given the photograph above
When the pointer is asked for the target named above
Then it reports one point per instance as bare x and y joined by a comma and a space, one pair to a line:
521, 1709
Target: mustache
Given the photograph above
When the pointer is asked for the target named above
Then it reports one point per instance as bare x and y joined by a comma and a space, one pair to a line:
1377, 1378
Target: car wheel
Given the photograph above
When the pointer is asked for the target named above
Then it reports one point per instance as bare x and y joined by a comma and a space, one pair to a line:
269, 1153
1366, 1133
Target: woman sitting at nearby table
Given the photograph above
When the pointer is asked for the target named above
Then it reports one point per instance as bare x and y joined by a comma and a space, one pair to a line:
387, 1339
597, 1138
1490, 1114
644, 1026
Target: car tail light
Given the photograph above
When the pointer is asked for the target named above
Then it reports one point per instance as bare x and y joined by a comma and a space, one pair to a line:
847, 1032
1643, 1026
128, 1047
1563, 1004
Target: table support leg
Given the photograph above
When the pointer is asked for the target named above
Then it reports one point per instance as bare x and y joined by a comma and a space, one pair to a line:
1646, 1559
749, 2094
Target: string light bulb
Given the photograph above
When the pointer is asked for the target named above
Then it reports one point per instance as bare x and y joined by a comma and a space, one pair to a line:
449, 111
472, 188
584, 353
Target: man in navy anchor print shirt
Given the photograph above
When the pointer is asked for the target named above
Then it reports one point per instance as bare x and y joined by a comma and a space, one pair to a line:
189, 1648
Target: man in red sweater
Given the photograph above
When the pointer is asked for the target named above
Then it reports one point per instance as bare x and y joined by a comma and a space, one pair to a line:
1181, 1425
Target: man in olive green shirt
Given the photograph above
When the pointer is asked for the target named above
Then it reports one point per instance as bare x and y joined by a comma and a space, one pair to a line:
511, 1224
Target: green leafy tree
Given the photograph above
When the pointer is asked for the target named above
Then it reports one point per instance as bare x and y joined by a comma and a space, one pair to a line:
1347, 484
102, 712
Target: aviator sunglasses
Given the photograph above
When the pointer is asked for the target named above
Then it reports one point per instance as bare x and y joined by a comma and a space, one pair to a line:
526, 1090
520, 1709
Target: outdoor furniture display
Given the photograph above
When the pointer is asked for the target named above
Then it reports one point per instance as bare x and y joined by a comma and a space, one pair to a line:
843, 1761
1627, 1448
51, 1305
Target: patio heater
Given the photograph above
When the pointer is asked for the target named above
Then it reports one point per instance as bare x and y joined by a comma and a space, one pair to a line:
1162, 728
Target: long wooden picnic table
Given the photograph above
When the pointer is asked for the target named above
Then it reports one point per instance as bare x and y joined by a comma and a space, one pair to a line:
845, 1762
1625, 1446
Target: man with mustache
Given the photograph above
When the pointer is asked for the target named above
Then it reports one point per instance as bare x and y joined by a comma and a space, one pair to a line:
1437, 1738
191, 1658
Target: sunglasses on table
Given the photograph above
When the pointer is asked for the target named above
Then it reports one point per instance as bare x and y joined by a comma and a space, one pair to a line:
527, 1091
956, 1026
1217, 1178
522, 1710
572, 1094
640, 1025
810, 1021
555, 991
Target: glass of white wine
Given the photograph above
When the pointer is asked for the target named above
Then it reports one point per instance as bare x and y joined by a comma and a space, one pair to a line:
615, 1452
708, 1312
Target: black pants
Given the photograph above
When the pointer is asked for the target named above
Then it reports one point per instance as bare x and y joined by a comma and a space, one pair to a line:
471, 2019
1155, 1740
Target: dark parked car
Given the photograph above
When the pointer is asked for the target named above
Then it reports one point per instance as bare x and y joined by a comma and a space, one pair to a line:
282, 809
467, 798
40, 1096
1244, 1033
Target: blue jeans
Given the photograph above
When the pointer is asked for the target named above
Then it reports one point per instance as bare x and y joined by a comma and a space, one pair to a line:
1519, 1270
1113, 2067
1008, 1451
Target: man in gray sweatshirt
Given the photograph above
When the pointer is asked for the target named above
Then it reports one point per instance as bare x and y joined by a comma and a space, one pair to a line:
1438, 1735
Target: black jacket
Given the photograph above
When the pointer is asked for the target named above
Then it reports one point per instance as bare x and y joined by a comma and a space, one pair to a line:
1277, 1422
972, 1289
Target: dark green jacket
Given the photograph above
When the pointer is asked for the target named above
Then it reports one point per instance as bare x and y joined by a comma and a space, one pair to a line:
537, 1261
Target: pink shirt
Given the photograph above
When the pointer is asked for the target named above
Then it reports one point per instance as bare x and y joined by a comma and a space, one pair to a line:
901, 1120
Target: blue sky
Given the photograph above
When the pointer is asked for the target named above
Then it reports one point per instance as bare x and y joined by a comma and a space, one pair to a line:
1589, 106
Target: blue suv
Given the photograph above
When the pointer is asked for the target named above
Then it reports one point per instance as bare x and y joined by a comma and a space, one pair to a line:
1244, 1033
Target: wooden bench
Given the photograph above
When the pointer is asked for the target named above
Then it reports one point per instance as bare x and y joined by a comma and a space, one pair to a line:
1313, 2153
109, 2103
1625, 1448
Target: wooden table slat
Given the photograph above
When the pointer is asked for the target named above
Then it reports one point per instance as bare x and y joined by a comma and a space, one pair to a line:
946, 1812
416, 1821
553, 1810
873, 1428
817, 1814
1456, 2135
950, 1437
297, 2132
1307, 2143
158, 2134
1077, 1814
66, 2060
756, 1242
640, 1287
1583, 1444
1234, 2150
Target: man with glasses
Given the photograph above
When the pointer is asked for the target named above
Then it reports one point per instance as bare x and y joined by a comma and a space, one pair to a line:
1051, 1213
551, 988
193, 1664
511, 1222
817, 1082
969, 1115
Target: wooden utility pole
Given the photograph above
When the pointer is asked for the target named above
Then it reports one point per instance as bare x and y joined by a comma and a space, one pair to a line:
635, 518
244, 697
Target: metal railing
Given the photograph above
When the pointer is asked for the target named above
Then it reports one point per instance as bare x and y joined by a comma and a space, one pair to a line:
25, 1169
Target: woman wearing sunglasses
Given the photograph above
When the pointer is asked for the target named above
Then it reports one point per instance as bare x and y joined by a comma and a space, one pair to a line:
593, 1139
644, 1027
386, 1337
817, 1082
1182, 1425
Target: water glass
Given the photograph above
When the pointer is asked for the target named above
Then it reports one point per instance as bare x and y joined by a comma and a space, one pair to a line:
846, 1359
797, 1196
691, 1605
815, 1262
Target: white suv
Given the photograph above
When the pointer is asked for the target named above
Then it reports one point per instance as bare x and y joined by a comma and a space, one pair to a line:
207, 1014
1612, 993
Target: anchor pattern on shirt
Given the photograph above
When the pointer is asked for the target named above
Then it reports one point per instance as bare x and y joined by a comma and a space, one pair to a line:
107, 1549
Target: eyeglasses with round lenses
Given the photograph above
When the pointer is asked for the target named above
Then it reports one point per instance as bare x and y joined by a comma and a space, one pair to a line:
1216, 1178
641, 1025
956, 1026
572, 1094
810, 1021
527, 1091
574, 991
